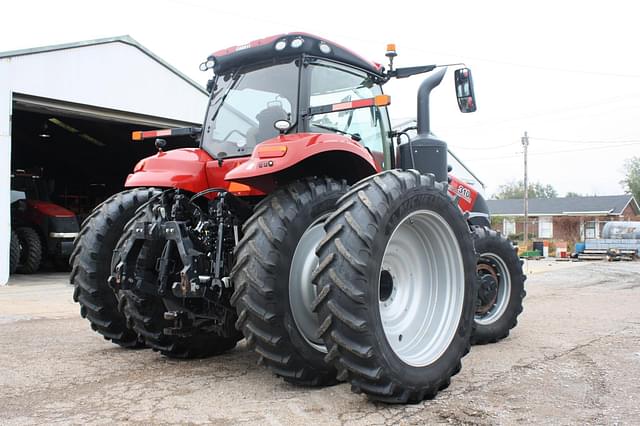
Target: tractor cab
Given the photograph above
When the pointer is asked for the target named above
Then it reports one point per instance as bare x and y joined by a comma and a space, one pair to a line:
296, 105
304, 83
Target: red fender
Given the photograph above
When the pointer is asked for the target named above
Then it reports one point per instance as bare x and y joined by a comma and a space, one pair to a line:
274, 158
189, 169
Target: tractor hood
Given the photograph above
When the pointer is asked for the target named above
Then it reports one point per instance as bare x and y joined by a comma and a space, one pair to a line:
48, 209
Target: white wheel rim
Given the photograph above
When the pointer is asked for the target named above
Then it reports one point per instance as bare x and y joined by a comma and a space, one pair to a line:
421, 307
504, 290
302, 292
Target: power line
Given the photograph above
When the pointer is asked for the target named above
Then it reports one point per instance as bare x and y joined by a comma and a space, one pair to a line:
561, 151
596, 104
554, 69
282, 23
584, 142
609, 143
596, 148
483, 148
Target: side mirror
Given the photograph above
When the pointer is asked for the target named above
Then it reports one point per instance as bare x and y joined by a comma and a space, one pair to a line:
160, 144
464, 90
282, 126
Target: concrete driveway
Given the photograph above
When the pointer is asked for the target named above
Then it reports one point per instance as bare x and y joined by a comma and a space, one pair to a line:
574, 358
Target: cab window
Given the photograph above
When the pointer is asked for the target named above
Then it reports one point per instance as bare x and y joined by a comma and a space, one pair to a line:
331, 84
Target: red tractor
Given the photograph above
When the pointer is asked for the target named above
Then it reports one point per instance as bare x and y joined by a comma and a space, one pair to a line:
305, 225
41, 230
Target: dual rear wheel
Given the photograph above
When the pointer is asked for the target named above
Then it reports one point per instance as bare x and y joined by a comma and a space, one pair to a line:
273, 274
387, 302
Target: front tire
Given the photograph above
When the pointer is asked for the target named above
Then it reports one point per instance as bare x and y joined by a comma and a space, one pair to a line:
31, 254
14, 252
91, 265
396, 285
272, 276
501, 286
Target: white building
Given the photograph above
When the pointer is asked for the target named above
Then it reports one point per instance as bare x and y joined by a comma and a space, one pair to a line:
68, 111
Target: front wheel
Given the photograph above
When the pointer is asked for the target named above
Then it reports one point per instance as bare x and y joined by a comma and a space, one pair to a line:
31, 250
91, 265
14, 252
396, 284
500, 286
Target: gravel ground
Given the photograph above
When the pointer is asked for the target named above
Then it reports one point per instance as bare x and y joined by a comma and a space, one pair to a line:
573, 359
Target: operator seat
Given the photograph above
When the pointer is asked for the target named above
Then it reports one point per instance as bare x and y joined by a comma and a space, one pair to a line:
265, 130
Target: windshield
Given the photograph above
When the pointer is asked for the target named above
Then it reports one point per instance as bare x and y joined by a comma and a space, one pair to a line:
245, 105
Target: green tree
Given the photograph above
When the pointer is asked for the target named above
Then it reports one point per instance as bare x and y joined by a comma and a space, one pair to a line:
513, 190
631, 182
572, 194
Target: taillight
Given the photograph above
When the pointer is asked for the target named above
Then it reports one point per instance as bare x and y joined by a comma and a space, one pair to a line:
272, 151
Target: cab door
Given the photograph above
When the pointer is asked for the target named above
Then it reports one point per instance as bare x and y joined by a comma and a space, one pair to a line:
331, 83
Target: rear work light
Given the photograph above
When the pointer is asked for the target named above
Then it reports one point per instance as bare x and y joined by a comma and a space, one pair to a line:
297, 42
208, 64
324, 48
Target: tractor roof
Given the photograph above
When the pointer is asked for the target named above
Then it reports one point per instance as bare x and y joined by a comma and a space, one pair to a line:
283, 45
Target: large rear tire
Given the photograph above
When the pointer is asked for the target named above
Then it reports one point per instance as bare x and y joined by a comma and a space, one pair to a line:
396, 287
145, 311
274, 294
501, 286
31, 250
91, 265
14, 252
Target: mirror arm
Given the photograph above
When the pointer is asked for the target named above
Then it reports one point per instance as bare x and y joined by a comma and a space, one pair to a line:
409, 71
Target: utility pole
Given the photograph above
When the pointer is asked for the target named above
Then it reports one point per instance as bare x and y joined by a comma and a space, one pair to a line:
525, 143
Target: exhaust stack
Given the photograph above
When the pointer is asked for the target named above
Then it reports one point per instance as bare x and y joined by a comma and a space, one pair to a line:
425, 152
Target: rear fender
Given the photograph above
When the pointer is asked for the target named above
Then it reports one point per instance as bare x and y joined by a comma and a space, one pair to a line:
189, 169
183, 168
290, 157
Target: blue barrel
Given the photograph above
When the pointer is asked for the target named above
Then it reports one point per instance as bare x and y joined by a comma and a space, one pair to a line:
539, 247
580, 247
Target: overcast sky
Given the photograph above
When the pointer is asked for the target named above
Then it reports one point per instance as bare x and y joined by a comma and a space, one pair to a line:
567, 72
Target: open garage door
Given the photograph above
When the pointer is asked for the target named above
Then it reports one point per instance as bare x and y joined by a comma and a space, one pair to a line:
22, 102
82, 154
66, 159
